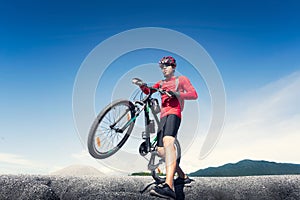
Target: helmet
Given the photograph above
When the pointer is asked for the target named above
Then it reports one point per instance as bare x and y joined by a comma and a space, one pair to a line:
168, 60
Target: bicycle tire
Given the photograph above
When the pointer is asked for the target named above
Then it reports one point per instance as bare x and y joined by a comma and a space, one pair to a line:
101, 125
156, 173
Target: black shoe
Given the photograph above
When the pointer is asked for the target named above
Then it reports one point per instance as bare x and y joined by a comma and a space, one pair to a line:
163, 191
182, 181
160, 180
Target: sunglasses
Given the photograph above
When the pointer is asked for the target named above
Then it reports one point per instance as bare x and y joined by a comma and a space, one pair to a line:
165, 65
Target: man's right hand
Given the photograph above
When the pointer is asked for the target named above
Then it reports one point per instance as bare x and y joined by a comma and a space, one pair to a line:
138, 82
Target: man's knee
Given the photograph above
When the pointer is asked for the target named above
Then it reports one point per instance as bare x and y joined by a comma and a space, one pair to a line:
168, 141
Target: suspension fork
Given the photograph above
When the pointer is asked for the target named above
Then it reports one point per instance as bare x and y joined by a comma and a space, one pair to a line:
121, 130
118, 120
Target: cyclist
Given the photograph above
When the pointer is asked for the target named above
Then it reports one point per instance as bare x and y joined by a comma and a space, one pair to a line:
179, 89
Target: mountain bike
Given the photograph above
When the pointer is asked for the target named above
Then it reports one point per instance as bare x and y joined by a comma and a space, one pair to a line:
114, 124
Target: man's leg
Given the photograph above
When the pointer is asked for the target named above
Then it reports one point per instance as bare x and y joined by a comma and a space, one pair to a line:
161, 153
170, 153
180, 172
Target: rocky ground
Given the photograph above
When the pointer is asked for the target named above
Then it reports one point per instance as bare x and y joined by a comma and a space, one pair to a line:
104, 187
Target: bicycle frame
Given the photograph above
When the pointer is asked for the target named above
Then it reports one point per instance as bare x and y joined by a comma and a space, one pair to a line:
146, 107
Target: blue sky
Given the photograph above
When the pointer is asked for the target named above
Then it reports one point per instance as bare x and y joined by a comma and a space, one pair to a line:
254, 44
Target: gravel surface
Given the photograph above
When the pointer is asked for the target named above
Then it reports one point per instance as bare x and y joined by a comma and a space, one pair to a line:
104, 187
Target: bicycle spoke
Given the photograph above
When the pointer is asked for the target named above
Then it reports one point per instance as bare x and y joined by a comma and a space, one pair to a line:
107, 138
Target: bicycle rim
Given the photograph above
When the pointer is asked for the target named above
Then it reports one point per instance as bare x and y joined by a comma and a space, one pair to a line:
104, 140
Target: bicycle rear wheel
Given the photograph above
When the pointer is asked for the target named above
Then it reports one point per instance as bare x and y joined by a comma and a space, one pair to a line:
158, 165
111, 129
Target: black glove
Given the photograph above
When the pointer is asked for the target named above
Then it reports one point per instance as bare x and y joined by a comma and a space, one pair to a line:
173, 94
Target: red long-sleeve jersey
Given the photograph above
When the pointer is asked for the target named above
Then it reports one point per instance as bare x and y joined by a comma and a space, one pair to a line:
173, 105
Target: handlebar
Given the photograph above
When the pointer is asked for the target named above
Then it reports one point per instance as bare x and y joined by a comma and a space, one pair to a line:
140, 83
161, 91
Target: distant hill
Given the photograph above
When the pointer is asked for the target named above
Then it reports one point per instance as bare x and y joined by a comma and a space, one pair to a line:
78, 170
249, 168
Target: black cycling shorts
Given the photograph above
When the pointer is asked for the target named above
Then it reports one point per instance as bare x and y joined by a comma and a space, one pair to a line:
168, 126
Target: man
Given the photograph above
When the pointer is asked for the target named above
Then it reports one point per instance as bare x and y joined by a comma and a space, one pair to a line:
179, 89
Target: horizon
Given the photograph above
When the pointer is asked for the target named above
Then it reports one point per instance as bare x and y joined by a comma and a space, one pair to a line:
82, 167
254, 46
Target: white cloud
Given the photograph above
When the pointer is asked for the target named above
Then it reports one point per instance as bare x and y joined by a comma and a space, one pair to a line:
263, 124
269, 113
18, 164
14, 159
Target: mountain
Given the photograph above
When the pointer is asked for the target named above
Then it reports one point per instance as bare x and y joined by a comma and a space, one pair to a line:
249, 168
78, 170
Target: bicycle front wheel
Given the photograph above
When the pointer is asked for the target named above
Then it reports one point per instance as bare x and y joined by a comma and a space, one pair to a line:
111, 129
